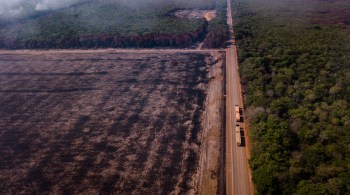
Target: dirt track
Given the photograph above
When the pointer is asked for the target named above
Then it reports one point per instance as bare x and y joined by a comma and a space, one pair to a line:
88, 122
211, 158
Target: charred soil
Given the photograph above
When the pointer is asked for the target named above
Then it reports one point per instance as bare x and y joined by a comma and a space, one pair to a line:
100, 123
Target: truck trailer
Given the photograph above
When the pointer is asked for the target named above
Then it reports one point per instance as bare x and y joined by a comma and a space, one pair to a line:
237, 108
238, 115
238, 135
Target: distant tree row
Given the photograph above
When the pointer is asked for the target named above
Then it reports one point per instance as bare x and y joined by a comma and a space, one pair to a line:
149, 40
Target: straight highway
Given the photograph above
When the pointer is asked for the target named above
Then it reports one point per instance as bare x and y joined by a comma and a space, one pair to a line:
238, 180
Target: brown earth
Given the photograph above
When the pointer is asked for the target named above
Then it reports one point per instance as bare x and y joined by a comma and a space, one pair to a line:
208, 15
89, 123
211, 158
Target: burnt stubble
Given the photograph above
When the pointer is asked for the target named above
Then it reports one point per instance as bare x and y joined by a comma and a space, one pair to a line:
100, 123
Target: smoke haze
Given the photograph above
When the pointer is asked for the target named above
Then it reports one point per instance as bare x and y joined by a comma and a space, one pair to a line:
30, 21
16, 8
53, 4
19, 8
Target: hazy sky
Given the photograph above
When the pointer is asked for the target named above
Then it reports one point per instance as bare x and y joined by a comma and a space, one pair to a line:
13, 8
19, 8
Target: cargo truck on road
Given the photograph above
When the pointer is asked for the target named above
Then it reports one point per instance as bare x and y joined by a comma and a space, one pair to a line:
238, 115
238, 135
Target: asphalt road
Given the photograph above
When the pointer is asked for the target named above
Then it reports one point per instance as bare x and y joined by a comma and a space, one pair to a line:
237, 175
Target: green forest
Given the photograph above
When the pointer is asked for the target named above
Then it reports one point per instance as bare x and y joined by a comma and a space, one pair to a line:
116, 23
295, 69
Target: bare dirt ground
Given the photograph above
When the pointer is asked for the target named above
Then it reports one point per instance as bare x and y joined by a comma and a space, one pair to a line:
89, 123
211, 159
194, 13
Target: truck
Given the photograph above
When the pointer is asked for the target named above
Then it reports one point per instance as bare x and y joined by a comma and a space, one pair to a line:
237, 108
238, 135
238, 115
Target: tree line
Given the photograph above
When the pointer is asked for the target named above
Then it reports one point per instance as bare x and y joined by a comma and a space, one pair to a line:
148, 40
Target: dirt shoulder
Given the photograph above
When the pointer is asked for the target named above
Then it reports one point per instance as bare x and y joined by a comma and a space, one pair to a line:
209, 172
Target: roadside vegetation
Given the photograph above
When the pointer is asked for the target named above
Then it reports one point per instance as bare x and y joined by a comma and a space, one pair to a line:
295, 68
96, 24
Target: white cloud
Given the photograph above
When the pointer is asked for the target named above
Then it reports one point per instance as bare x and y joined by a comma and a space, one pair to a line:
10, 8
13, 8
53, 4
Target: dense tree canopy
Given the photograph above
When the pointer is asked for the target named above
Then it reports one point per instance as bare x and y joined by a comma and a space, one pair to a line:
116, 24
296, 80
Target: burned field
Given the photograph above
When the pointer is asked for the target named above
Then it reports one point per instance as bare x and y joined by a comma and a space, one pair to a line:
111, 122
